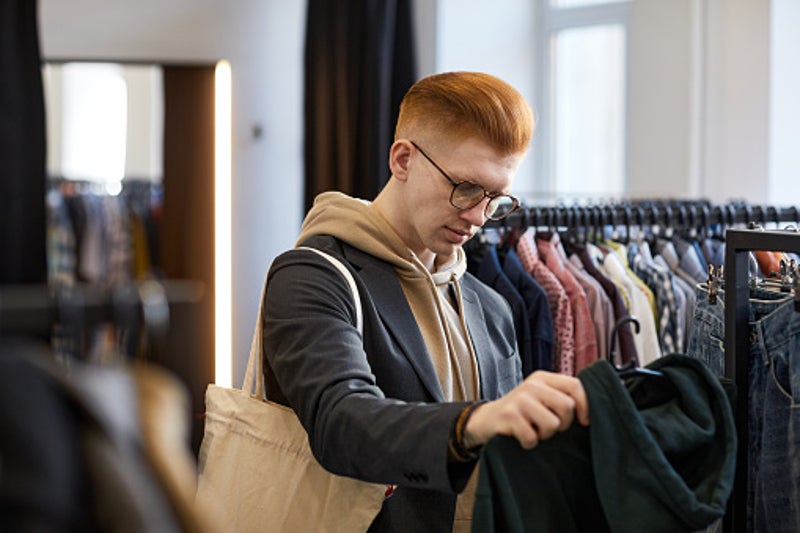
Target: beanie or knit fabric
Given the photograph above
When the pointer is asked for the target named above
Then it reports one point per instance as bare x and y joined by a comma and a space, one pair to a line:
658, 456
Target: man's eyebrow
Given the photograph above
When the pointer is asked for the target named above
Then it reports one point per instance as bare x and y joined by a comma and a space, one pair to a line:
456, 179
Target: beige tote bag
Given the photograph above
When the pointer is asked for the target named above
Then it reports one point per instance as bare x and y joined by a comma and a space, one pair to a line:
256, 469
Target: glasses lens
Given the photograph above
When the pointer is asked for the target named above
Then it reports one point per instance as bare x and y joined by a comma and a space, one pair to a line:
500, 207
467, 195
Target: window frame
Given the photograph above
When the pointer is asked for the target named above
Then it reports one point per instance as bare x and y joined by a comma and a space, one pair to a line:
551, 20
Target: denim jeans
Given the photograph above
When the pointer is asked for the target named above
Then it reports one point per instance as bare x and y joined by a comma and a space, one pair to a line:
773, 469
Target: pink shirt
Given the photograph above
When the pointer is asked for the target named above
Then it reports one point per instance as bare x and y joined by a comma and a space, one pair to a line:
583, 326
560, 308
600, 305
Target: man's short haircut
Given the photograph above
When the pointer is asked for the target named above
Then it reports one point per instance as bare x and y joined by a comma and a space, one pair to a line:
460, 105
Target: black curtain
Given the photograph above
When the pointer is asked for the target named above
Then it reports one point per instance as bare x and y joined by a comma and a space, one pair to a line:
359, 62
22, 146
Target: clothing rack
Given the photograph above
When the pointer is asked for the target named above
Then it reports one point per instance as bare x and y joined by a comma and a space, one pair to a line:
725, 221
35, 308
675, 214
739, 244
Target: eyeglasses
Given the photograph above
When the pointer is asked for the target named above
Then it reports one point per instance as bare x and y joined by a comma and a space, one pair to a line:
466, 195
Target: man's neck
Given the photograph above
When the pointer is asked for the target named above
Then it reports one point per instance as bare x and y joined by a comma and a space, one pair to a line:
441, 262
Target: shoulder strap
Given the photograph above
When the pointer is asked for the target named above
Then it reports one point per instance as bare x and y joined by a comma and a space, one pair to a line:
348, 276
254, 376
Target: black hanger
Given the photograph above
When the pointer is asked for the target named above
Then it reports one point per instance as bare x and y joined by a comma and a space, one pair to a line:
630, 369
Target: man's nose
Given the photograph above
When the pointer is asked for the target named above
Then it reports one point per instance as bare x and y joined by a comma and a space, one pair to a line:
476, 215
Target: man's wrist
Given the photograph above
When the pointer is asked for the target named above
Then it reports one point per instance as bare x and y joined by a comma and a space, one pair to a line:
462, 446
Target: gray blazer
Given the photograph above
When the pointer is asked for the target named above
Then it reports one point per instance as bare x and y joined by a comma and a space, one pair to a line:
373, 407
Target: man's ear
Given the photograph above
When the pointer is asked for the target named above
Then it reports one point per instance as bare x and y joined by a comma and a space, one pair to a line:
399, 156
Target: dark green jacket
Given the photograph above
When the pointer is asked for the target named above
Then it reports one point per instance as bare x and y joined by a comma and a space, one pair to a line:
659, 455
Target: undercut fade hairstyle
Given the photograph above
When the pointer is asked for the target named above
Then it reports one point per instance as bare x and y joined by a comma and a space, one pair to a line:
460, 105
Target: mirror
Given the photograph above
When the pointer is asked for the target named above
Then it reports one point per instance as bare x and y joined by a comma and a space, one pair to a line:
137, 140
105, 122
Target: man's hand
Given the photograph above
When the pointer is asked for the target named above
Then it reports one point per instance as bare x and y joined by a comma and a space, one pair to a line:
540, 406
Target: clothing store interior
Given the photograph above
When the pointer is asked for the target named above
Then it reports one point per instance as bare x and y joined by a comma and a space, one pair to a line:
158, 155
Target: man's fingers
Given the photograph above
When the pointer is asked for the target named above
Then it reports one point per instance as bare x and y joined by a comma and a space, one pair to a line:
543, 404
570, 386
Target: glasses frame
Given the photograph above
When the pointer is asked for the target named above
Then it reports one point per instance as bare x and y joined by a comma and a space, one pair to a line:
455, 184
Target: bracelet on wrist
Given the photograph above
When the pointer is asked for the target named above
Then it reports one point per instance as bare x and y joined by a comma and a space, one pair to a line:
458, 449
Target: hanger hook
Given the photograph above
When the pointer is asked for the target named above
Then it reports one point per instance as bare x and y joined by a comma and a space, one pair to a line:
615, 330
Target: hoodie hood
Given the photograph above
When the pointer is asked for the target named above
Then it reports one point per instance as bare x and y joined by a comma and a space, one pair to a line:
434, 299
664, 445
360, 225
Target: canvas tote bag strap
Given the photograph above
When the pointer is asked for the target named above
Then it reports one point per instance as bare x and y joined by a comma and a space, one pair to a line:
254, 376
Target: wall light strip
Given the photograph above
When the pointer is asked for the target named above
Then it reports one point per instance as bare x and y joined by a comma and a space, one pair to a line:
222, 226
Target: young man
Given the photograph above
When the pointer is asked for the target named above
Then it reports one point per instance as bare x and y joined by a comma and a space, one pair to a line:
437, 373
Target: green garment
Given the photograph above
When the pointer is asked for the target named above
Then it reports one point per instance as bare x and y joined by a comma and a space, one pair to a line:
658, 456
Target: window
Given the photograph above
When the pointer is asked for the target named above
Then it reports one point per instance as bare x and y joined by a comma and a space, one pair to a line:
104, 122
583, 97
569, 59
94, 122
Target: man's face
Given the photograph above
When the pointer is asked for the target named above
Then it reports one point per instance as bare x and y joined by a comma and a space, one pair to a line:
434, 225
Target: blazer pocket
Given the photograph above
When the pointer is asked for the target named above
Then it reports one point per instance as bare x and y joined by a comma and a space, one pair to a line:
509, 372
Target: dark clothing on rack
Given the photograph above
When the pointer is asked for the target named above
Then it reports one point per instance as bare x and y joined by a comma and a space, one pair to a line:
773, 499
488, 270
659, 456
538, 311
624, 340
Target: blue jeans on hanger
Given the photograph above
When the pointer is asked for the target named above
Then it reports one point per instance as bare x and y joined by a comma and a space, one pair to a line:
773, 470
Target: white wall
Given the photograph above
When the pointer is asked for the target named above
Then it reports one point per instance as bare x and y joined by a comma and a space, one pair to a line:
263, 40
699, 88
736, 100
700, 124
784, 186
145, 146
660, 99
494, 37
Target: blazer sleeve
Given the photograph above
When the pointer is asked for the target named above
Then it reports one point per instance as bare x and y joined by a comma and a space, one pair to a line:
318, 359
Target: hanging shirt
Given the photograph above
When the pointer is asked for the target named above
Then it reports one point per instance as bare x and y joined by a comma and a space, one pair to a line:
622, 252
600, 307
713, 251
659, 280
622, 346
648, 348
690, 262
583, 326
488, 269
667, 250
686, 309
538, 311
560, 308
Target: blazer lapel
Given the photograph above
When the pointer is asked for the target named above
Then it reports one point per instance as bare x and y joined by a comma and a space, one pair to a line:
390, 302
476, 323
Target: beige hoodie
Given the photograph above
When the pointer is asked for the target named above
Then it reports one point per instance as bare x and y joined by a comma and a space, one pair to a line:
435, 299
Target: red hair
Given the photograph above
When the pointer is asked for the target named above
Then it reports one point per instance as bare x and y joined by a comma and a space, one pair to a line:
459, 105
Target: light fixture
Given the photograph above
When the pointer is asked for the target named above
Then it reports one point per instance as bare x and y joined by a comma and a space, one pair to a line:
223, 316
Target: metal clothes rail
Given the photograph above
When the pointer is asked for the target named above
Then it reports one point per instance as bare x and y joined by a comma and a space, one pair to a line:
738, 245
145, 306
